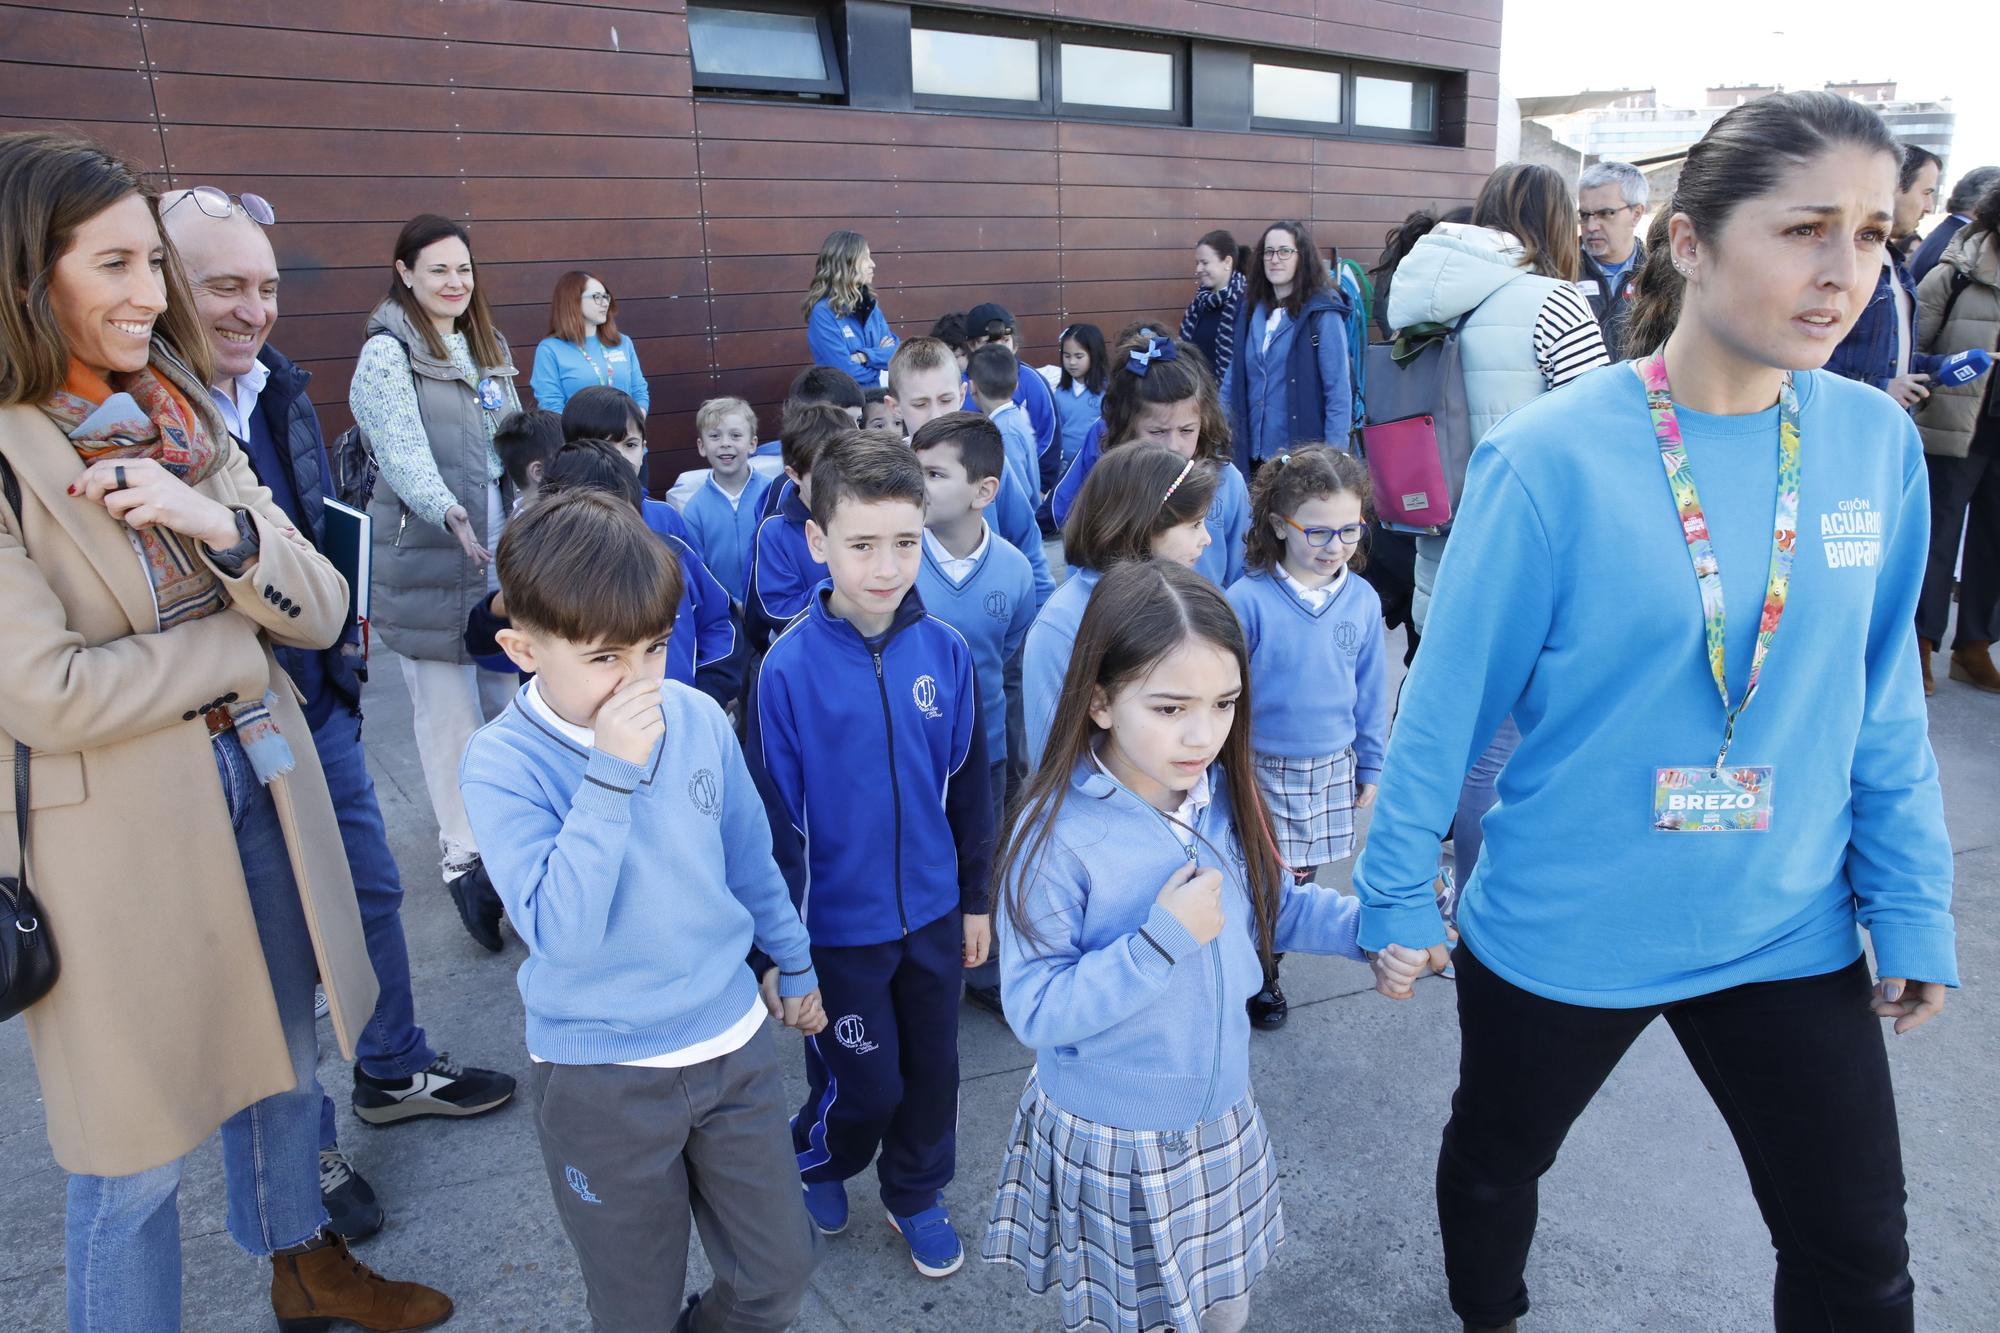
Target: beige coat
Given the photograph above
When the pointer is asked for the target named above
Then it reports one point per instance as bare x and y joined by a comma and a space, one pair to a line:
162, 1023
1948, 417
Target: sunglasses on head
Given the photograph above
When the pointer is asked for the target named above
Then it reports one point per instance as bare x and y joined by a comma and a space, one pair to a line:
217, 203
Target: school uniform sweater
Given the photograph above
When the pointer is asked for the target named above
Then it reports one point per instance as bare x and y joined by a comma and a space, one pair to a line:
1077, 410
1566, 600
1228, 513
1017, 436
563, 367
991, 606
726, 531
1033, 396
782, 569
639, 889
1318, 678
1012, 515
834, 339
876, 756
1045, 658
1133, 1024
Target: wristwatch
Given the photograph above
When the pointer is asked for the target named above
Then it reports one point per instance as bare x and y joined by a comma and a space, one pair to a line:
234, 558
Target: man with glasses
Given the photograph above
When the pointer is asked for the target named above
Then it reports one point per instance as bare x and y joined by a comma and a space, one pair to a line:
1611, 198
261, 396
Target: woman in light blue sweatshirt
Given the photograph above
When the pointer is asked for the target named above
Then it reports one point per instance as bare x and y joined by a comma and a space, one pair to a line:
1724, 774
845, 327
584, 346
1141, 888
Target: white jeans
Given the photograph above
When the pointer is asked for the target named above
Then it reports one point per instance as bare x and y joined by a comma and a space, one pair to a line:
449, 703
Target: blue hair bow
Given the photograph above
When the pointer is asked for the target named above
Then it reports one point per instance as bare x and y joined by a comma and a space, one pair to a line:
1140, 360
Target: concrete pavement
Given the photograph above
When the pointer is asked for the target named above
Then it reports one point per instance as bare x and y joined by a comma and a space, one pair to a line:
1647, 1224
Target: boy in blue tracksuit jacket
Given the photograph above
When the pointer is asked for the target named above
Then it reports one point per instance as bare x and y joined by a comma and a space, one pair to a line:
783, 570
869, 728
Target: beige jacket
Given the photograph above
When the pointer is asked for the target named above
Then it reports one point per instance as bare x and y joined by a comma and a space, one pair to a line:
162, 1023
1949, 416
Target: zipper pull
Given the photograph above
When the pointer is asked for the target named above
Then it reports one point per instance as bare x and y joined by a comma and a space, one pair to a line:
878, 664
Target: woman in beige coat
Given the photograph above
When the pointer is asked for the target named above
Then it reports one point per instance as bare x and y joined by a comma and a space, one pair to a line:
179, 833
1960, 424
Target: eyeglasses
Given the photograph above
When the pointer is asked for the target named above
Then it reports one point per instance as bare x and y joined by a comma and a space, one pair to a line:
1589, 215
598, 296
220, 204
1350, 535
1280, 252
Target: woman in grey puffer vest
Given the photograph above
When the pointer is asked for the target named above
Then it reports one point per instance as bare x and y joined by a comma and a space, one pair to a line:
434, 380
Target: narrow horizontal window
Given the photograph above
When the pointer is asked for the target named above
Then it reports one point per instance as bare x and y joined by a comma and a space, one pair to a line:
778, 49
1287, 92
1117, 77
974, 64
1393, 104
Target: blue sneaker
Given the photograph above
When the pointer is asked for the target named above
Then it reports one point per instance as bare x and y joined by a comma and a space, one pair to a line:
933, 1243
826, 1204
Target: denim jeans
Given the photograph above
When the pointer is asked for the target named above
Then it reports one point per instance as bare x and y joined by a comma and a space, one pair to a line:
1477, 796
122, 1233
391, 1045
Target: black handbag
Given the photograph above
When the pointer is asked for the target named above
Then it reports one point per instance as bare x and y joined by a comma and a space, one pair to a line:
28, 963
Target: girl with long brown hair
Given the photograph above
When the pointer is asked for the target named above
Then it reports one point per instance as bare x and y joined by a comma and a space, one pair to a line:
1141, 888
845, 326
1289, 382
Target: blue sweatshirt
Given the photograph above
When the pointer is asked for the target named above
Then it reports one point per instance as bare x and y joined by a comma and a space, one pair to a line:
835, 338
1017, 436
1045, 658
876, 754
1012, 515
1318, 682
702, 649
992, 609
562, 368
1228, 514
1566, 599
1032, 395
1134, 1024
1077, 410
725, 532
782, 569
638, 888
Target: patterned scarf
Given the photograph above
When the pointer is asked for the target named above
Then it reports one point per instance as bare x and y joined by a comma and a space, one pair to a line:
1207, 299
144, 415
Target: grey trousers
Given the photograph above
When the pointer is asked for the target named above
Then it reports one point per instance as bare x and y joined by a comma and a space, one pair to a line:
633, 1153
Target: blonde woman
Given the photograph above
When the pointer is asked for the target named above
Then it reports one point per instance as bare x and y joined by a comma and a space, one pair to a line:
844, 325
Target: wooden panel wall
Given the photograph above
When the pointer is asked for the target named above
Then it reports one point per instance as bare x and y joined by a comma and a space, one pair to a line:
565, 133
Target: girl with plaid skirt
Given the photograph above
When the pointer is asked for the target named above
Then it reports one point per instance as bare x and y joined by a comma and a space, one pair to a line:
1142, 887
1317, 660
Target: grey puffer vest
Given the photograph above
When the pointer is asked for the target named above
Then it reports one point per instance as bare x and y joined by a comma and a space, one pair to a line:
423, 587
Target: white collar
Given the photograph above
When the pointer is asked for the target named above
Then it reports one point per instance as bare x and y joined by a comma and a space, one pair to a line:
942, 554
1185, 815
568, 730
239, 399
1313, 596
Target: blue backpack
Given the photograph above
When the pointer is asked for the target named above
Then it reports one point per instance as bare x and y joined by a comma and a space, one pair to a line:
1360, 301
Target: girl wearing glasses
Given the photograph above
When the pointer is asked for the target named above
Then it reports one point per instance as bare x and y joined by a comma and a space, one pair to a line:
584, 346
1287, 382
1320, 720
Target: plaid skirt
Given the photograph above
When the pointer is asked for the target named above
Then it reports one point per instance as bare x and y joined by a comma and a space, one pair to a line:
1312, 806
1143, 1229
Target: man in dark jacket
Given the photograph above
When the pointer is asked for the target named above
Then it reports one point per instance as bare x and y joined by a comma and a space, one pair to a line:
1611, 198
1958, 212
1881, 348
261, 397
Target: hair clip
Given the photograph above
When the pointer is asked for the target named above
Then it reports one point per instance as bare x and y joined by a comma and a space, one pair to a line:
1186, 468
1282, 459
1156, 349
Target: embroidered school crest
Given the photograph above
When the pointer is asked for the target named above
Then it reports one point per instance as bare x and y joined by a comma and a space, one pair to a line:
996, 605
851, 1033
580, 1183
1348, 637
925, 692
706, 792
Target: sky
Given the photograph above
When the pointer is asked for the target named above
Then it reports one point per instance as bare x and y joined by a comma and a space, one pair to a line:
1556, 46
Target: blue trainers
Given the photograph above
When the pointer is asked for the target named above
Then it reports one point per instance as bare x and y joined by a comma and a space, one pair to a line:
826, 1204
933, 1243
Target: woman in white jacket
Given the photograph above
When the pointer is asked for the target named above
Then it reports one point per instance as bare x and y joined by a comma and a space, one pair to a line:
1514, 266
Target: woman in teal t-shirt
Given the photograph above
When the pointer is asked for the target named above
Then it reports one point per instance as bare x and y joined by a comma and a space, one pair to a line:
1690, 579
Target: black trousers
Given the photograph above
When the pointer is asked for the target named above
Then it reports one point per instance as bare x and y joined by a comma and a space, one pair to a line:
1797, 1069
1965, 496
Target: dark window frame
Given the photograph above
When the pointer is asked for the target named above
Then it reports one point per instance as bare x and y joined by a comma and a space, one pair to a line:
834, 85
978, 24
1429, 80
1177, 49
1343, 128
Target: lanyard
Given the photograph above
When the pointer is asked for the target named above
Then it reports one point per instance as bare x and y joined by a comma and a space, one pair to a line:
1652, 373
604, 371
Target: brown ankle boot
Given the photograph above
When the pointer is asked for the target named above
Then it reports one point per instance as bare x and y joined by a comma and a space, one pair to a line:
1974, 665
1926, 649
310, 1292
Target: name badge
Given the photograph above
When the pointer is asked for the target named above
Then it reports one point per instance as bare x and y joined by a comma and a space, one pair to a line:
1590, 287
614, 356
1701, 800
848, 329
490, 397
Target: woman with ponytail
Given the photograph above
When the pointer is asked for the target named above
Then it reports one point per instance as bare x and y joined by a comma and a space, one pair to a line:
1694, 827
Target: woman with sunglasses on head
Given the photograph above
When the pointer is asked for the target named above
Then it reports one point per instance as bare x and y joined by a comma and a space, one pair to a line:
1690, 577
584, 346
178, 831
433, 383
1288, 382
